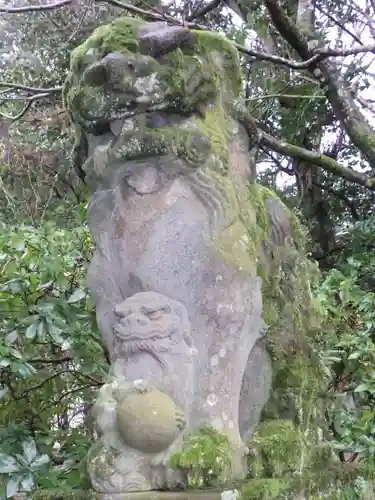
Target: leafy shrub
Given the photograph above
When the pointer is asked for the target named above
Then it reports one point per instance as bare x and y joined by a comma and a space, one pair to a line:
51, 357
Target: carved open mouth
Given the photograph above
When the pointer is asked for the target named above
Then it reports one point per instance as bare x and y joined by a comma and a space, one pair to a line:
123, 112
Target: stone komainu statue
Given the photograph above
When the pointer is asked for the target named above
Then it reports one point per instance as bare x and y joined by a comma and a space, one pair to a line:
175, 282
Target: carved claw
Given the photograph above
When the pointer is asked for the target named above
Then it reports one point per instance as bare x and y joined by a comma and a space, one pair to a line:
180, 419
140, 386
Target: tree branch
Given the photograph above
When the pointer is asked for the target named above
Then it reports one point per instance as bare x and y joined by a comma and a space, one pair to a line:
287, 29
263, 56
35, 8
72, 391
345, 52
354, 123
341, 197
57, 361
17, 86
316, 158
339, 24
262, 138
210, 6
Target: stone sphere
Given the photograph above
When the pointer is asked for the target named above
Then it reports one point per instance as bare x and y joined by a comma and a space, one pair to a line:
149, 422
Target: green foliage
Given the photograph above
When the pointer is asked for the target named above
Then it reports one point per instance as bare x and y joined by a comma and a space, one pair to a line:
277, 449
348, 352
22, 468
264, 489
50, 355
206, 456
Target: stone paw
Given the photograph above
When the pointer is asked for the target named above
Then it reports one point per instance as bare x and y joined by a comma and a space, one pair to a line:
140, 386
180, 419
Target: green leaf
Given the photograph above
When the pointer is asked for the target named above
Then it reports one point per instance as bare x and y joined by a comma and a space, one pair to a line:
31, 331
354, 355
8, 464
44, 285
25, 370
27, 482
76, 296
13, 486
29, 450
361, 388
11, 337
41, 329
40, 461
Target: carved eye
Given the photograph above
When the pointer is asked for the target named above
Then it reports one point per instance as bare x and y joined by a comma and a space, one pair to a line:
154, 314
131, 66
96, 75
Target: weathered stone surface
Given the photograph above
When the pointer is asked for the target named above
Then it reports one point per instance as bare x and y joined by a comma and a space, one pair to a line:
175, 270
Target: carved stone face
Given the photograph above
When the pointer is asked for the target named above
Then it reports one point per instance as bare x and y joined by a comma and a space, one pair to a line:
149, 317
119, 86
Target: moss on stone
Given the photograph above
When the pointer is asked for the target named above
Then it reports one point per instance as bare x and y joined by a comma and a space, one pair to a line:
203, 67
217, 125
118, 36
207, 72
216, 46
264, 489
276, 449
206, 456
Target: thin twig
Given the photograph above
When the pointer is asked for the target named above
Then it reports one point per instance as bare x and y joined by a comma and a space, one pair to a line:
18, 86
339, 24
35, 8
201, 12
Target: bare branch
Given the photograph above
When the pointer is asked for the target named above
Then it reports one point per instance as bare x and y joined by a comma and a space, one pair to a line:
142, 12
339, 24
35, 8
30, 101
45, 381
65, 359
263, 56
17, 86
73, 391
210, 6
40, 93
346, 52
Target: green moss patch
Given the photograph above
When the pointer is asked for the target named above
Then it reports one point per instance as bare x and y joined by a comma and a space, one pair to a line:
276, 449
122, 35
264, 489
205, 456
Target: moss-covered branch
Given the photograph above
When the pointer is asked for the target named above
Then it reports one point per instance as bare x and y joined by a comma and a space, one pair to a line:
262, 138
316, 158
